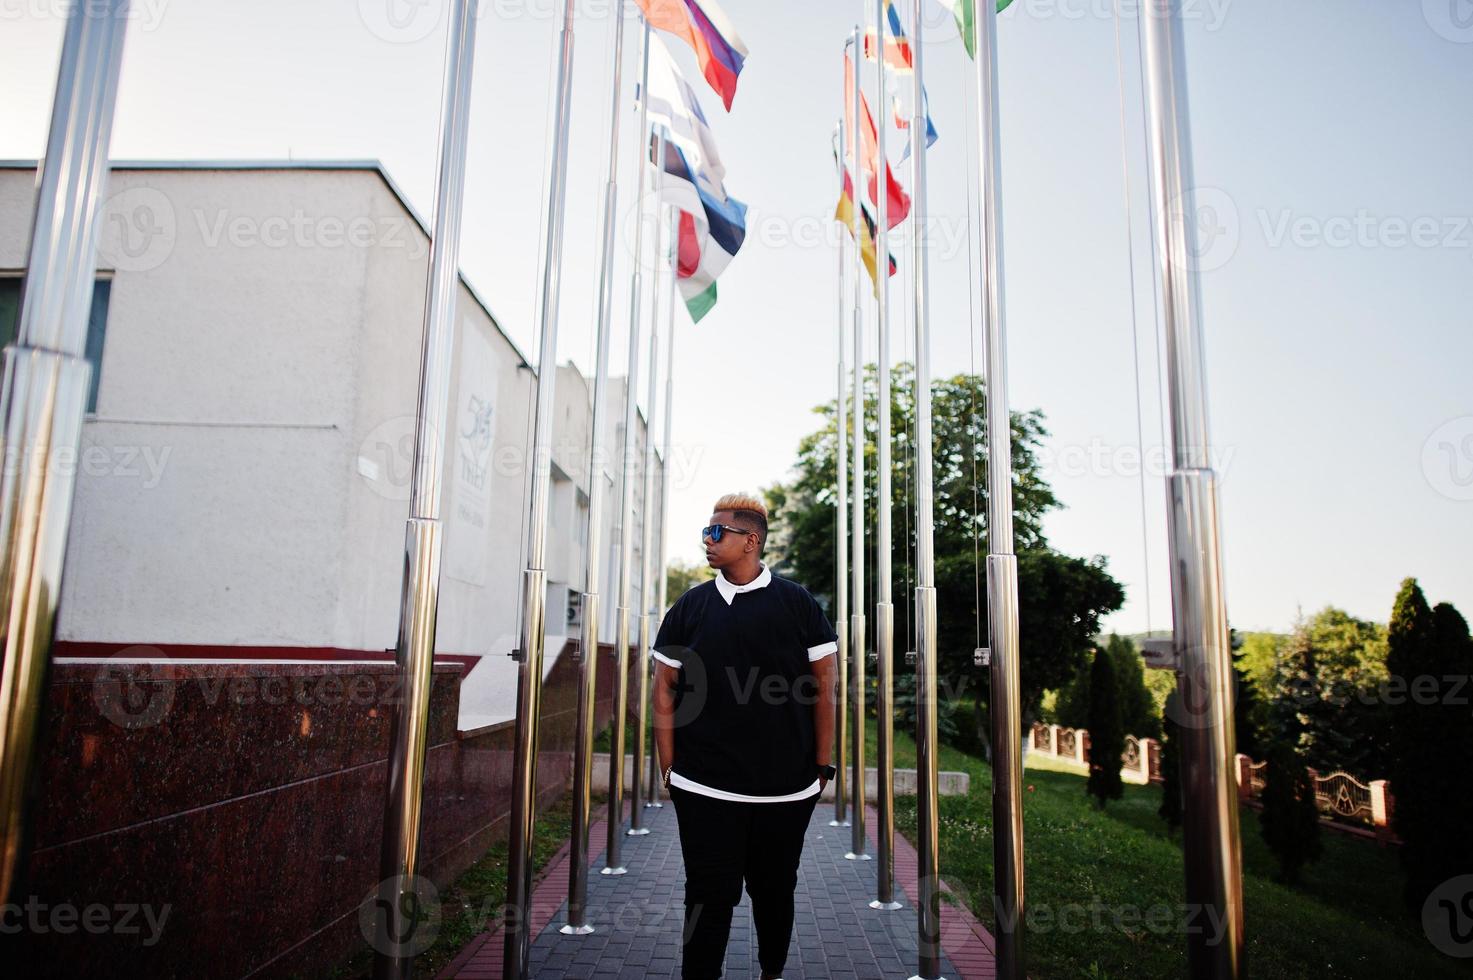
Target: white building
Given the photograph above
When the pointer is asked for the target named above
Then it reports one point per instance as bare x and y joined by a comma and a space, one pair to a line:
244, 481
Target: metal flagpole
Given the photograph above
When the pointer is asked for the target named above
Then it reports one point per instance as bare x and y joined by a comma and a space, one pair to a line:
577, 923
518, 921
648, 620
928, 917
395, 941
884, 605
841, 542
1200, 633
659, 607
856, 561
613, 864
45, 395
656, 592
1002, 564
635, 815
636, 288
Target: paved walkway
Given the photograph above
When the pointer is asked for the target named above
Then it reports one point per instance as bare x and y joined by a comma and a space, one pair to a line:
638, 917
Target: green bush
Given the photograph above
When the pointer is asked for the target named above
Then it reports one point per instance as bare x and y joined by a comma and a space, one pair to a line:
1106, 733
1290, 819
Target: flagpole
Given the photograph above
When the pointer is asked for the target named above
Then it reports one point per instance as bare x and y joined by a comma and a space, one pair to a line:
529, 654
400, 885
1214, 885
856, 559
1002, 564
637, 797
46, 379
657, 604
577, 923
841, 544
614, 826
884, 606
648, 619
636, 298
928, 870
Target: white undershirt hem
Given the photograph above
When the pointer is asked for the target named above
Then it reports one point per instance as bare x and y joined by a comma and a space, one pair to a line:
691, 786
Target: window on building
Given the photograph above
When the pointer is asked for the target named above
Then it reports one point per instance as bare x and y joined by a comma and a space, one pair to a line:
96, 325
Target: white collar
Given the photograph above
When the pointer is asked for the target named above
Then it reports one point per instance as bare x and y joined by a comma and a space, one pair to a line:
729, 591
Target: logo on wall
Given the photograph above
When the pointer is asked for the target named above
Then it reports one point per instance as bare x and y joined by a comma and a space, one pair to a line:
468, 512
475, 441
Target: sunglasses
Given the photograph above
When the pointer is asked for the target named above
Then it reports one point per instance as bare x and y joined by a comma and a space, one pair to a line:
714, 532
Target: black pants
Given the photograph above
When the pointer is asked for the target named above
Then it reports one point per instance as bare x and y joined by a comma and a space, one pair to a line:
725, 843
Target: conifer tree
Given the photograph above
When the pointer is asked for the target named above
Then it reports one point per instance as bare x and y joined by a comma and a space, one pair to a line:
1290, 819
1418, 771
1106, 732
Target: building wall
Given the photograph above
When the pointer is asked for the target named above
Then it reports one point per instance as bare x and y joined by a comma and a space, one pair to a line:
247, 502
256, 417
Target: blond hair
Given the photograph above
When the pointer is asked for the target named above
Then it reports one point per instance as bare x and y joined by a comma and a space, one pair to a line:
746, 507
741, 501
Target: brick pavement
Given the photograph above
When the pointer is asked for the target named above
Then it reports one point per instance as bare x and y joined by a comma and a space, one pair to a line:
638, 917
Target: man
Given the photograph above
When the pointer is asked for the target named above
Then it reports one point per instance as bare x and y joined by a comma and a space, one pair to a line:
744, 725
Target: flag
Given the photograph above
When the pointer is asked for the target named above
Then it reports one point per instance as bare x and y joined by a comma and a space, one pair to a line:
673, 104
899, 83
844, 214
963, 11
704, 26
902, 102
898, 205
897, 45
712, 228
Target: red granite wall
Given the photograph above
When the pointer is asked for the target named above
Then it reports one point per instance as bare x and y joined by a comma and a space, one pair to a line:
223, 820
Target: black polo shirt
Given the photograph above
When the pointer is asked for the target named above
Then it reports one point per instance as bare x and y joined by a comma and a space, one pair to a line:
745, 701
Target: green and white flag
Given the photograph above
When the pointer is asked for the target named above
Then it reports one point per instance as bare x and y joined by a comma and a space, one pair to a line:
963, 11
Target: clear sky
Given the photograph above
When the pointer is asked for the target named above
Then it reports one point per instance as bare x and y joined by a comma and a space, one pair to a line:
1332, 152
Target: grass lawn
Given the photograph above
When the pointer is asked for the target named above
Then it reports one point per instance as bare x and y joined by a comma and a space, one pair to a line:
1105, 891
478, 896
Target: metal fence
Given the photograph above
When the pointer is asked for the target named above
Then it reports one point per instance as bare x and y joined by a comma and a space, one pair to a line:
1340, 796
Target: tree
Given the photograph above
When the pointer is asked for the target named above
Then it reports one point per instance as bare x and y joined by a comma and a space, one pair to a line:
1072, 707
1171, 801
1455, 720
1323, 688
1138, 714
1428, 740
1290, 819
681, 577
1106, 735
1248, 708
1137, 711
1326, 677
1061, 598
1257, 657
